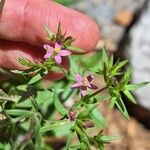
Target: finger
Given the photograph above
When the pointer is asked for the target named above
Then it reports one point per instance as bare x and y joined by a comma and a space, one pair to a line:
10, 51
23, 20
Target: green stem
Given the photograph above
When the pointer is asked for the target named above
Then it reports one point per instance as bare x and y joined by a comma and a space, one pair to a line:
35, 104
97, 92
65, 73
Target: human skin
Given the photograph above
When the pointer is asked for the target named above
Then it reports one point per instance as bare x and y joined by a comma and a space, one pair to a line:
22, 34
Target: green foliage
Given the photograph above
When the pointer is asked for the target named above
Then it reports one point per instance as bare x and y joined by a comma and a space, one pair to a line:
6, 97
59, 107
104, 139
31, 112
117, 79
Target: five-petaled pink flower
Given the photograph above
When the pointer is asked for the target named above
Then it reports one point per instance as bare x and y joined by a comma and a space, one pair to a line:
83, 84
56, 52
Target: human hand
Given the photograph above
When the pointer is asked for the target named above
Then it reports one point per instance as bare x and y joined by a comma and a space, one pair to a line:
22, 34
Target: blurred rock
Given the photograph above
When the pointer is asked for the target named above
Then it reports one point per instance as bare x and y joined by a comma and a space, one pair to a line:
108, 44
134, 135
124, 17
105, 12
131, 128
139, 54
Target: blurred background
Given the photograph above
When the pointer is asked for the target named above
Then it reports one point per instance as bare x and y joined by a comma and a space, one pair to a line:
125, 29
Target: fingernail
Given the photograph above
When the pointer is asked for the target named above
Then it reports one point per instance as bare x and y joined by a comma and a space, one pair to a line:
1, 5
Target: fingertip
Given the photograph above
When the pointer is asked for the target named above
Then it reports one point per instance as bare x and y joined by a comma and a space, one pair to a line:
89, 33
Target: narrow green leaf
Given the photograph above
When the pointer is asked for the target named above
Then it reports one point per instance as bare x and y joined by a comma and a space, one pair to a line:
67, 91
19, 112
126, 76
7, 98
122, 108
22, 87
69, 139
74, 69
66, 2
68, 41
98, 118
100, 145
131, 87
96, 69
38, 76
75, 147
44, 100
75, 49
56, 69
50, 33
25, 104
111, 61
118, 65
84, 146
25, 62
100, 98
43, 96
121, 64
85, 114
116, 74
106, 138
130, 96
104, 56
113, 101
58, 105
52, 126
37, 134
62, 131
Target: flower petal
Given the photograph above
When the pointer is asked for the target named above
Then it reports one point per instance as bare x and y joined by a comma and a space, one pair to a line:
76, 85
48, 54
57, 45
88, 84
64, 53
48, 48
90, 78
79, 78
83, 90
93, 86
58, 59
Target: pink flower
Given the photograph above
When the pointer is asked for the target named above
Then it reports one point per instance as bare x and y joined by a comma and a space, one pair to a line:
56, 51
83, 84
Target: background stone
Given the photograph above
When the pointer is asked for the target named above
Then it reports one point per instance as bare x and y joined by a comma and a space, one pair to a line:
139, 54
105, 13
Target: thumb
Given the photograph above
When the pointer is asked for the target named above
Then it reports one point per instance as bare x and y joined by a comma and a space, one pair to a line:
22, 20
